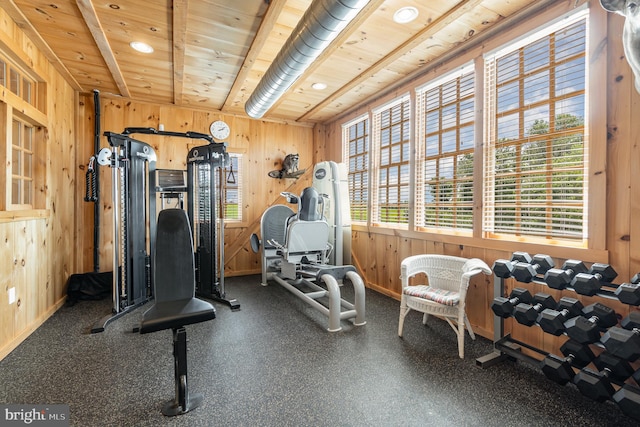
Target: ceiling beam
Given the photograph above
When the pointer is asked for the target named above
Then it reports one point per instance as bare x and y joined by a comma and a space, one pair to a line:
25, 25
267, 24
437, 25
180, 13
93, 23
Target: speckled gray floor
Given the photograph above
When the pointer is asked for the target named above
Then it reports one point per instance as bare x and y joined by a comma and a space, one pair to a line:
273, 364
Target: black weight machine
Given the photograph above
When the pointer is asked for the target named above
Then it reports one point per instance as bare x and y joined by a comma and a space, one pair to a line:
205, 194
133, 165
205, 184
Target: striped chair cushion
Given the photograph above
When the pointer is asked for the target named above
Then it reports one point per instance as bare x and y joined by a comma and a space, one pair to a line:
440, 296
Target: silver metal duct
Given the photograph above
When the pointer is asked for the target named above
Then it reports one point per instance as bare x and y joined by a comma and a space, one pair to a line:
320, 24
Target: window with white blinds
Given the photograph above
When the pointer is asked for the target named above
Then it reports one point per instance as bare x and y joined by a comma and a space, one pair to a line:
445, 142
355, 137
233, 188
535, 173
391, 126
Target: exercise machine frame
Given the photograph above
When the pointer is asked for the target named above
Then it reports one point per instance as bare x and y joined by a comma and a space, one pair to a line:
297, 261
132, 164
205, 170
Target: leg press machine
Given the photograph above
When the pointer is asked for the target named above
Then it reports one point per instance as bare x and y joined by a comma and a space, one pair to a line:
295, 250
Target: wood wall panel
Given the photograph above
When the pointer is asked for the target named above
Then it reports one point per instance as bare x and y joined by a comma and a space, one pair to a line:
6, 282
38, 245
19, 278
618, 150
28, 267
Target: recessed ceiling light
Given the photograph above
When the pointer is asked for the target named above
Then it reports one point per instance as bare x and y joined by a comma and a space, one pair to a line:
405, 14
141, 47
319, 86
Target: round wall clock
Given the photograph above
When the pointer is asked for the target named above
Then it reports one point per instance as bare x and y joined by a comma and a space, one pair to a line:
219, 130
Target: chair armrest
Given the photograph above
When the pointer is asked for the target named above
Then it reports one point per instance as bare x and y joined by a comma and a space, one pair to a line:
470, 268
411, 266
475, 266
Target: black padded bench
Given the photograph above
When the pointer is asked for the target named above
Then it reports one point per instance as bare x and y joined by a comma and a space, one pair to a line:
175, 303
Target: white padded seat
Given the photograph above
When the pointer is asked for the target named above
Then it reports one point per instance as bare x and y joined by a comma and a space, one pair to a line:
441, 296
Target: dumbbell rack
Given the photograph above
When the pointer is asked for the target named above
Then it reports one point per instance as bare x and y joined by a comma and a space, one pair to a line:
508, 348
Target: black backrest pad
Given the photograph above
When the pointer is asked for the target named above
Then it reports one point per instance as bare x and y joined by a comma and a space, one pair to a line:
174, 260
309, 201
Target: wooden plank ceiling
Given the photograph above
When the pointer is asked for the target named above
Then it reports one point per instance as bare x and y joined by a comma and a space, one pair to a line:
212, 53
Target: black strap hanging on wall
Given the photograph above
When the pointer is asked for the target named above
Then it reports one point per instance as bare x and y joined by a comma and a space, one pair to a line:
231, 176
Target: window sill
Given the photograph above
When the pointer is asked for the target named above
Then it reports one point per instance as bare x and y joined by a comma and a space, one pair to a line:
21, 215
533, 246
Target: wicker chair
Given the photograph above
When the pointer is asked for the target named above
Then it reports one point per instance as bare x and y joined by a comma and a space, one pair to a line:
445, 294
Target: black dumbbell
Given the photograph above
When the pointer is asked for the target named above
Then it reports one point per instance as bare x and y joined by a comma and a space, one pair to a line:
527, 314
597, 385
526, 271
628, 399
561, 370
632, 321
560, 278
591, 282
629, 293
552, 320
504, 268
587, 329
624, 342
503, 307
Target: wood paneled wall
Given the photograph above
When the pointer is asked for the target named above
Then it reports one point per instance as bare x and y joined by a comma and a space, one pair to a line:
263, 144
36, 249
378, 252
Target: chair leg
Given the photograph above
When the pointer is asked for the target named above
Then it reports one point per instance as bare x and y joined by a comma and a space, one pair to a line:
461, 340
403, 313
425, 317
469, 328
183, 402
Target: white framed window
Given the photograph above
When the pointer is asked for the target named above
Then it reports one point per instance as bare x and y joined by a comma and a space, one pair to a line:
391, 129
536, 142
233, 188
18, 82
532, 180
22, 172
24, 129
355, 144
445, 116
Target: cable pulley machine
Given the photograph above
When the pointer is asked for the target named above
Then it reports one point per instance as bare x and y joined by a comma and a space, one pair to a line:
205, 194
133, 166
